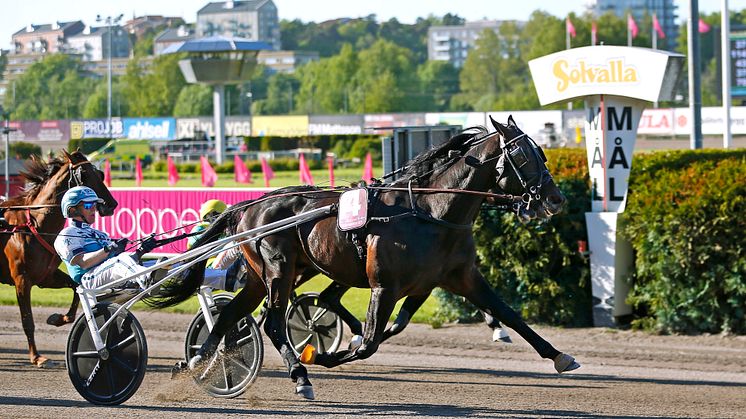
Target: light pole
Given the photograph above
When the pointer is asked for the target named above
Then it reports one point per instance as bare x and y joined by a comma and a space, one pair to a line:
6, 130
110, 21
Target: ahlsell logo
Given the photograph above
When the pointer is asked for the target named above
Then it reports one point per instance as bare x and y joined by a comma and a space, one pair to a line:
585, 73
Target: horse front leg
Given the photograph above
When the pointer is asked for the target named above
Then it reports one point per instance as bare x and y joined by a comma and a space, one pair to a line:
476, 289
382, 302
332, 296
23, 295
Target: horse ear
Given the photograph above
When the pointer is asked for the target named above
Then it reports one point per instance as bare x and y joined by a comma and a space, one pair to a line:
511, 121
497, 125
67, 155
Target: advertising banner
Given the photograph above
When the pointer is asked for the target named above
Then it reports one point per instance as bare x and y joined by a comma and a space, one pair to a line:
712, 121
465, 119
96, 128
335, 124
40, 131
279, 126
167, 211
149, 128
530, 122
235, 126
657, 122
382, 123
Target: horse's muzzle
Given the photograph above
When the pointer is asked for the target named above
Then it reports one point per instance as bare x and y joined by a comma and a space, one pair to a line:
106, 209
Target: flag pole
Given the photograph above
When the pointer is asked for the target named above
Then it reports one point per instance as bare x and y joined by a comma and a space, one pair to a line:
725, 51
629, 33
655, 33
567, 35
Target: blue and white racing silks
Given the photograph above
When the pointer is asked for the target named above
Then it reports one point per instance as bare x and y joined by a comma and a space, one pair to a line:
76, 239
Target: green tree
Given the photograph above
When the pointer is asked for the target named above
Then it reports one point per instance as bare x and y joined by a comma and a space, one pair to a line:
438, 83
53, 88
325, 85
280, 94
193, 100
153, 93
97, 102
386, 75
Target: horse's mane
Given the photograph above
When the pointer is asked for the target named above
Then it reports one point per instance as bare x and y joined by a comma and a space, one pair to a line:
36, 174
422, 165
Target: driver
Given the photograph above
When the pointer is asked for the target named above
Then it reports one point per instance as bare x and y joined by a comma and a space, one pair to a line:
92, 258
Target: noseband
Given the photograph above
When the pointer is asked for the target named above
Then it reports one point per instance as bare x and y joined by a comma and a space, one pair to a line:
516, 157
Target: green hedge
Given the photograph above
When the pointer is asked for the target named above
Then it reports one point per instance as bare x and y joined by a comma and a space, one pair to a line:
686, 223
87, 145
536, 267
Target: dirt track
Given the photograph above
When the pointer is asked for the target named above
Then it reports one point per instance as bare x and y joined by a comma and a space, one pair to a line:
450, 372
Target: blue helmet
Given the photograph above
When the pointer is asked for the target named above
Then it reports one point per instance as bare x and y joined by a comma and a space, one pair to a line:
75, 196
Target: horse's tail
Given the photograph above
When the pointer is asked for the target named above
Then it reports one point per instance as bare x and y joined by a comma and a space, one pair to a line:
184, 285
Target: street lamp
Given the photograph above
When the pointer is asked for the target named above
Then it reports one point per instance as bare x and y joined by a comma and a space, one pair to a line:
110, 21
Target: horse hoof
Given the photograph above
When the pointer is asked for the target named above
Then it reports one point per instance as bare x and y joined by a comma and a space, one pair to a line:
355, 342
308, 356
44, 363
194, 362
57, 320
500, 335
305, 391
564, 363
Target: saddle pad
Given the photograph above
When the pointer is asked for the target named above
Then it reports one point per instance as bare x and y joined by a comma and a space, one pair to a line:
353, 209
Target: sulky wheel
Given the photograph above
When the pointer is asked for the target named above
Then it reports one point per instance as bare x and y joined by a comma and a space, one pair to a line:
239, 359
111, 378
310, 320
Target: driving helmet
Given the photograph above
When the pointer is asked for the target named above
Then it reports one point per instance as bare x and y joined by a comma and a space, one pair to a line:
211, 209
75, 196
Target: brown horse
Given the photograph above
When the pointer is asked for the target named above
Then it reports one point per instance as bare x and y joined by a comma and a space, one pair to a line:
412, 243
33, 221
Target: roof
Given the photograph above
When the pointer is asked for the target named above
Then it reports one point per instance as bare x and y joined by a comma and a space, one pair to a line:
217, 44
238, 6
48, 27
173, 35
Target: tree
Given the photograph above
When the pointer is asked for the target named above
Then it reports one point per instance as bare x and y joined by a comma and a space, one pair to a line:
384, 79
438, 83
96, 105
153, 93
53, 88
279, 95
193, 100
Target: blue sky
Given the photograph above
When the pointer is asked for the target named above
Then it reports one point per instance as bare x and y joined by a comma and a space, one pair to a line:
46, 11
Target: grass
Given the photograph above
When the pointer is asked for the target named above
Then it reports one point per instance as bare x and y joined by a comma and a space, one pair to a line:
343, 176
356, 300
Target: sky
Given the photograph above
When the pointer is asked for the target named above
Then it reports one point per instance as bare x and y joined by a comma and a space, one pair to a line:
38, 12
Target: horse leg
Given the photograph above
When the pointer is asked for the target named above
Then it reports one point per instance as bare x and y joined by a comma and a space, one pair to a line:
478, 291
23, 294
332, 296
498, 333
382, 303
411, 304
62, 280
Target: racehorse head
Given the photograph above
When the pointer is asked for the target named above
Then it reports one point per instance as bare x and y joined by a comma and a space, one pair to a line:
522, 171
84, 173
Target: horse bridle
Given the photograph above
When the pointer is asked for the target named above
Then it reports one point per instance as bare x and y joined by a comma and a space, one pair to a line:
76, 173
511, 152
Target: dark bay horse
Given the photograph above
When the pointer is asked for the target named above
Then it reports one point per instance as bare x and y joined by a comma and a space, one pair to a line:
33, 221
413, 243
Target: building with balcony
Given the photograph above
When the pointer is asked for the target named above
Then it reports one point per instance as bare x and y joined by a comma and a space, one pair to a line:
665, 11
255, 20
48, 38
453, 43
93, 43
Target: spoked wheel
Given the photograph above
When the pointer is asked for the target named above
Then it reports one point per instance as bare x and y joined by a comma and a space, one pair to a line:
239, 359
310, 320
111, 378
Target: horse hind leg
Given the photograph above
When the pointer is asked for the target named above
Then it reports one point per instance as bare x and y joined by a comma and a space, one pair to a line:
477, 290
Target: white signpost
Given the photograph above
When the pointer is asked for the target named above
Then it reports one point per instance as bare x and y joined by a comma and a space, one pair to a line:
616, 83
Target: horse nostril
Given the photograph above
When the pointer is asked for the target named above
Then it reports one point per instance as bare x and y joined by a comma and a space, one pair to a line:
556, 199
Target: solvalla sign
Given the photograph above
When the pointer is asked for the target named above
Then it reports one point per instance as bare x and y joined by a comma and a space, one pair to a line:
605, 70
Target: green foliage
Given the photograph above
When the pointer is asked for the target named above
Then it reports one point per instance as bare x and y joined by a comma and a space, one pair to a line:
153, 93
279, 95
193, 100
684, 218
53, 88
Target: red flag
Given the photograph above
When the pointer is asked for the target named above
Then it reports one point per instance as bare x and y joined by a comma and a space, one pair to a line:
240, 171
305, 172
209, 177
107, 173
267, 172
632, 26
703, 27
594, 33
569, 27
368, 169
173, 174
138, 172
330, 163
657, 27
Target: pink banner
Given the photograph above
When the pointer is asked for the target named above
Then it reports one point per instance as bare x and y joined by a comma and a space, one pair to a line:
172, 211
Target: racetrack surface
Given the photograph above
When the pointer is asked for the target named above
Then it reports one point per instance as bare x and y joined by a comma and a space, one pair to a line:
455, 371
